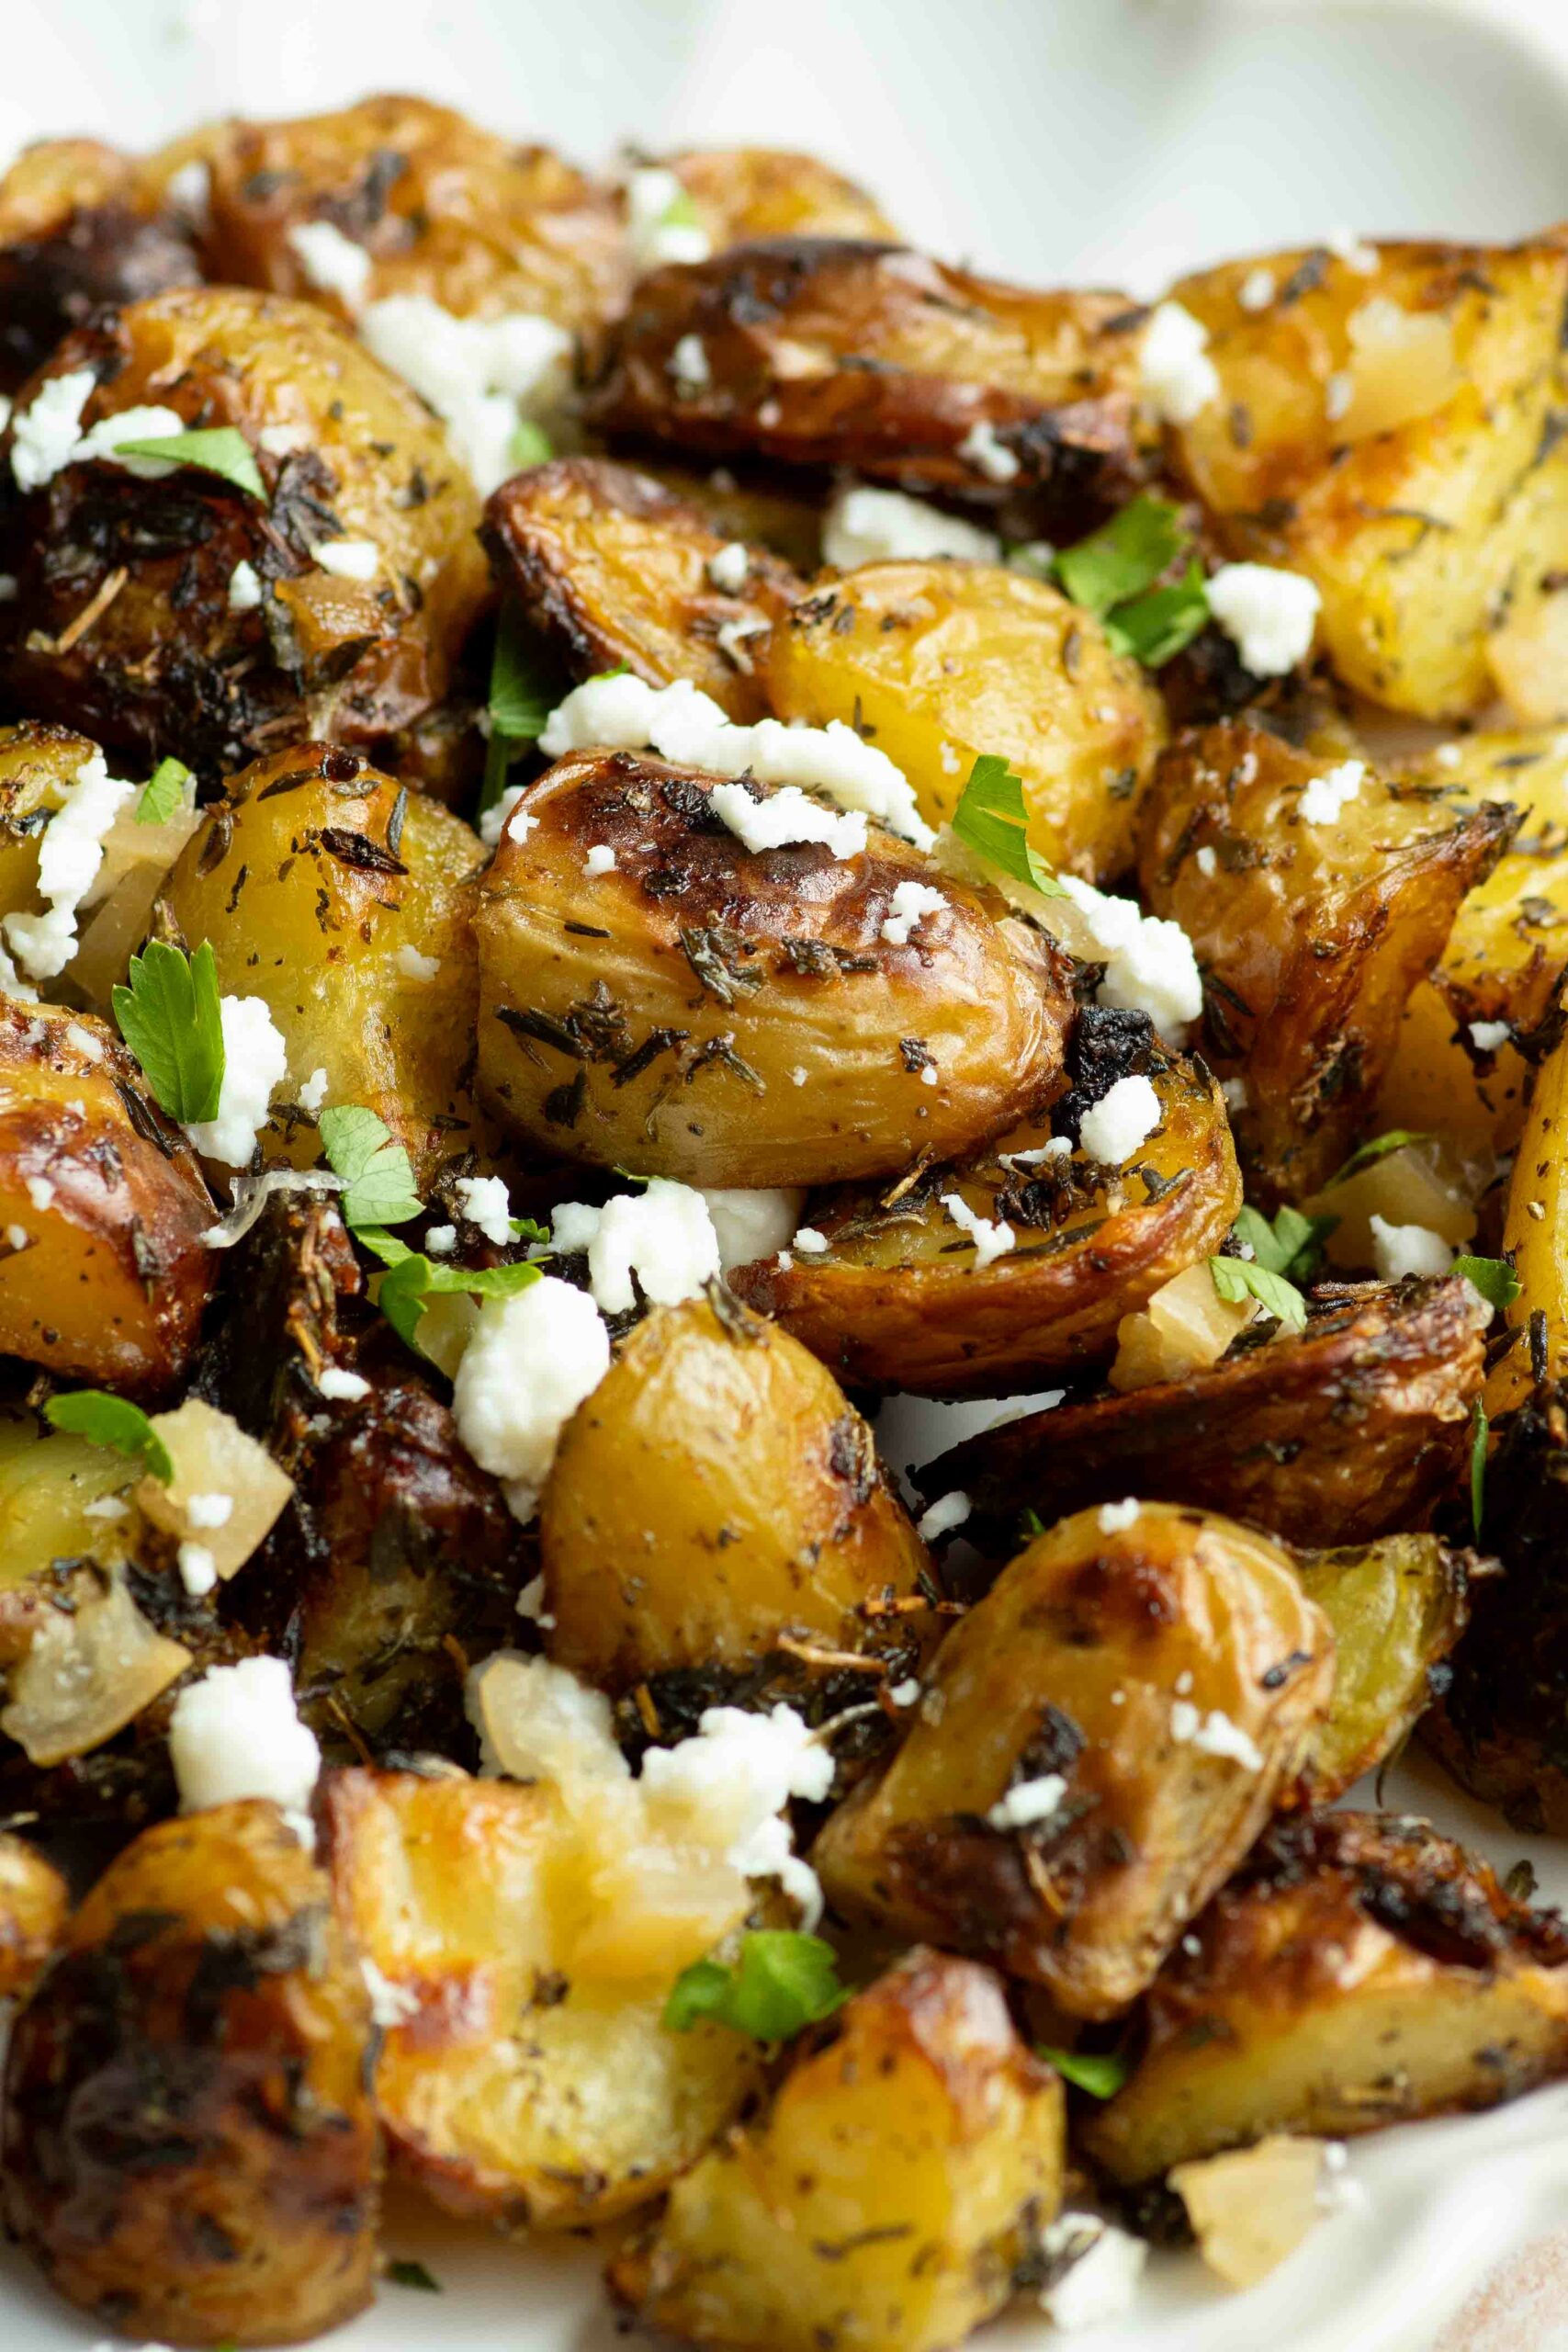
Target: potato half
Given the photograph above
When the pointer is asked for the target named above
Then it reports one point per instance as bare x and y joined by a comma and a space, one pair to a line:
79, 229
1397, 1607
743, 193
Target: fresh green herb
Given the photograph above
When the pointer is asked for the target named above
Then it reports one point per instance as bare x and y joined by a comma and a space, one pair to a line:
1102, 2074
108, 1420
525, 1228
1156, 625
170, 1018
991, 817
680, 212
1291, 1246
1493, 1277
413, 2274
1125, 556
782, 1982
523, 692
1032, 1524
379, 1187
1478, 1426
1378, 1149
1239, 1278
531, 445
219, 449
411, 1278
598, 677
162, 793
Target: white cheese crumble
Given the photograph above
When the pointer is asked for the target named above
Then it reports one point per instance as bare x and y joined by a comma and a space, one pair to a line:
331, 262
1324, 797
415, 966
1401, 1249
948, 1511
313, 1094
786, 816
494, 820
992, 1241
663, 1234
811, 1242
1106, 2267
45, 434
156, 423
653, 194
440, 1240
753, 1223
531, 1604
904, 1694
1177, 376
730, 568
107, 1507
732, 638
483, 376
199, 1569
236, 1734
600, 859
1115, 1517
1054, 1147
1268, 615
734, 1780
283, 440
190, 189
1257, 290
244, 588
1149, 963
256, 1059
689, 366
1234, 1090
1031, 1801
391, 2005
1449, 756
530, 1363
1488, 1036
483, 1201
1213, 1734
1121, 1122
341, 1387
910, 903
209, 1510
40, 1191
69, 855
348, 558
983, 448
1337, 394
1346, 246
1208, 864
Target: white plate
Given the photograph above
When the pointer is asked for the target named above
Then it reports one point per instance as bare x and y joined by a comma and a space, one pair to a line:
1110, 140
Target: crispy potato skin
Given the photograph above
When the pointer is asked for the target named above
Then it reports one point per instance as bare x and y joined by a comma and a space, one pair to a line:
826, 352
1359, 1971
898, 1300
612, 568
1310, 936
1397, 1607
38, 761
1416, 534
715, 1491
1339, 1436
603, 1044
79, 229
111, 1286
33, 1905
744, 193
515, 2094
884, 2201
479, 224
1535, 1239
191, 2149
942, 662
1074, 1664
164, 666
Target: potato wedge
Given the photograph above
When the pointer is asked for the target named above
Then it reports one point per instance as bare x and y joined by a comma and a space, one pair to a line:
734, 1017
611, 569
1101, 1740
189, 2144
1397, 1607
37, 765
1393, 445
1535, 1238
900, 2178
34, 1902
939, 662
1342, 1435
743, 193
1312, 931
79, 228
899, 1299
1361, 1971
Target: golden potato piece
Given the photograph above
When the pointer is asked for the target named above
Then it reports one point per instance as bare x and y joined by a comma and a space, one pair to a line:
38, 765
122, 622
940, 662
766, 506
1397, 1607
899, 1298
1101, 1740
883, 2203
1311, 928
189, 2142
33, 1905
1336, 1437
732, 1017
1385, 430
1359, 1971
513, 2091
717, 1502
1535, 1239
743, 193
611, 569
79, 229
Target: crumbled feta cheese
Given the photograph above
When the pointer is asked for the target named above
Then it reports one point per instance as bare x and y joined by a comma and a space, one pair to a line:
653, 196
1346, 246
1213, 1734
1206, 862
947, 1512
531, 1604
235, 1734
728, 569
1257, 290
1401, 1249
1124, 1119
494, 822
1115, 1517
984, 448
689, 366
483, 376
600, 859
483, 1201
40, 1191
103, 442
1449, 756
1488, 1036
749, 1225
734, 1779
440, 1240
244, 588
313, 1094
390, 2005
283, 440
256, 1059
1324, 797
341, 1387
331, 262
1105, 2267
190, 189
664, 1234
1177, 376
415, 966
209, 1510
45, 434
786, 816
1031, 1801
69, 855
991, 1240
911, 902
107, 1507
904, 1694
811, 1242
530, 1361
1337, 394
1149, 963
731, 638
199, 1569
348, 558
1054, 1147
1268, 615
1234, 1090
799, 1076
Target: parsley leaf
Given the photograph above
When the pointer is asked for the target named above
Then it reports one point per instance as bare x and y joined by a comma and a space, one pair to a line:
1493, 1277
411, 1278
1156, 625
162, 793
991, 819
413, 2274
782, 1982
169, 1017
1479, 1425
1239, 1278
219, 449
378, 1181
523, 690
531, 445
680, 212
1101, 2074
1291, 1246
1124, 556
1378, 1149
108, 1420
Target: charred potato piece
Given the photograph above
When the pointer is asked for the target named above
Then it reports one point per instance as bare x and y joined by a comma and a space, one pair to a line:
715, 1498
901, 2176
33, 1905
104, 1273
189, 2143
38, 765
79, 230
479, 224
1312, 933
900, 1298
1101, 1740
1535, 1239
743, 193
513, 2091
824, 352
614, 569
287, 1278
940, 662
122, 624
1394, 447
1397, 1607
1359, 1971
733, 1017
1341, 1435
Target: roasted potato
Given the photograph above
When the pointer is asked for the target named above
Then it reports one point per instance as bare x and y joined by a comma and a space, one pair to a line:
1359, 1971
901, 1299
743, 193
189, 2143
822, 352
1395, 442
939, 662
613, 569
123, 623
33, 1905
1397, 1607
1101, 1740
716, 1503
736, 1017
1342, 1435
884, 2202
519, 2087
768, 506
1312, 931
1535, 1240
39, 764
79, 229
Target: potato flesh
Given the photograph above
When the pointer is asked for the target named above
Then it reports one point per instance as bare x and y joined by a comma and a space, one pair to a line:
37, 765
1397, 1609
746, 192
1535, 1236
80, 226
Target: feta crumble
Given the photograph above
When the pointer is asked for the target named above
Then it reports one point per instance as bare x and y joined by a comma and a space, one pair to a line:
1116, 1517
341, 1387
1207, 863
600, 859
483, 376
483, 1201
730, 568
69, 855
689, 366
236, 1734
751, 1224
209, 1510
1324, 797
663, 1234
415, 966
992, 1241
786, 816
331, 262
440, 1240
910, 903
348, 558
1213, 1734
1031, 1801
313, 1094
531, 1604
1489, 1036
40, 1191
1124, 1119
256, 1059
142, 423
983, 448
811, 1243
1257, 290
244, 588
1401, 1249
496, 820
530, 1361
1337, 394
391, 2005
734, 1780
1346, 246
653, 194
199, 1569
1149, 963
947, 1512
1268, 615
1105, 2266
905, 1693
1177, 376
45, 434
732, 638
190, 189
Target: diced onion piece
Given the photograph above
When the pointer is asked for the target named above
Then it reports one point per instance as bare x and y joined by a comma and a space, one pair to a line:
1250, 2209
88, 1674
1418, 1184
213, 1456
1402, 367
1185, 1327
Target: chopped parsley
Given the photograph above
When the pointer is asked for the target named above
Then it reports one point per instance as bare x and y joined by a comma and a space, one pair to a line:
782, 1982
1237, 1278
1101, 2074
1154, 626
170, 1018
163, 792
992, 821
413, 2274
524, 691
1493, 1277
411, 1278
219, 449
1378, 1149
1291, 1246
1114, 572
531, 445
379, 1187
108, 1420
